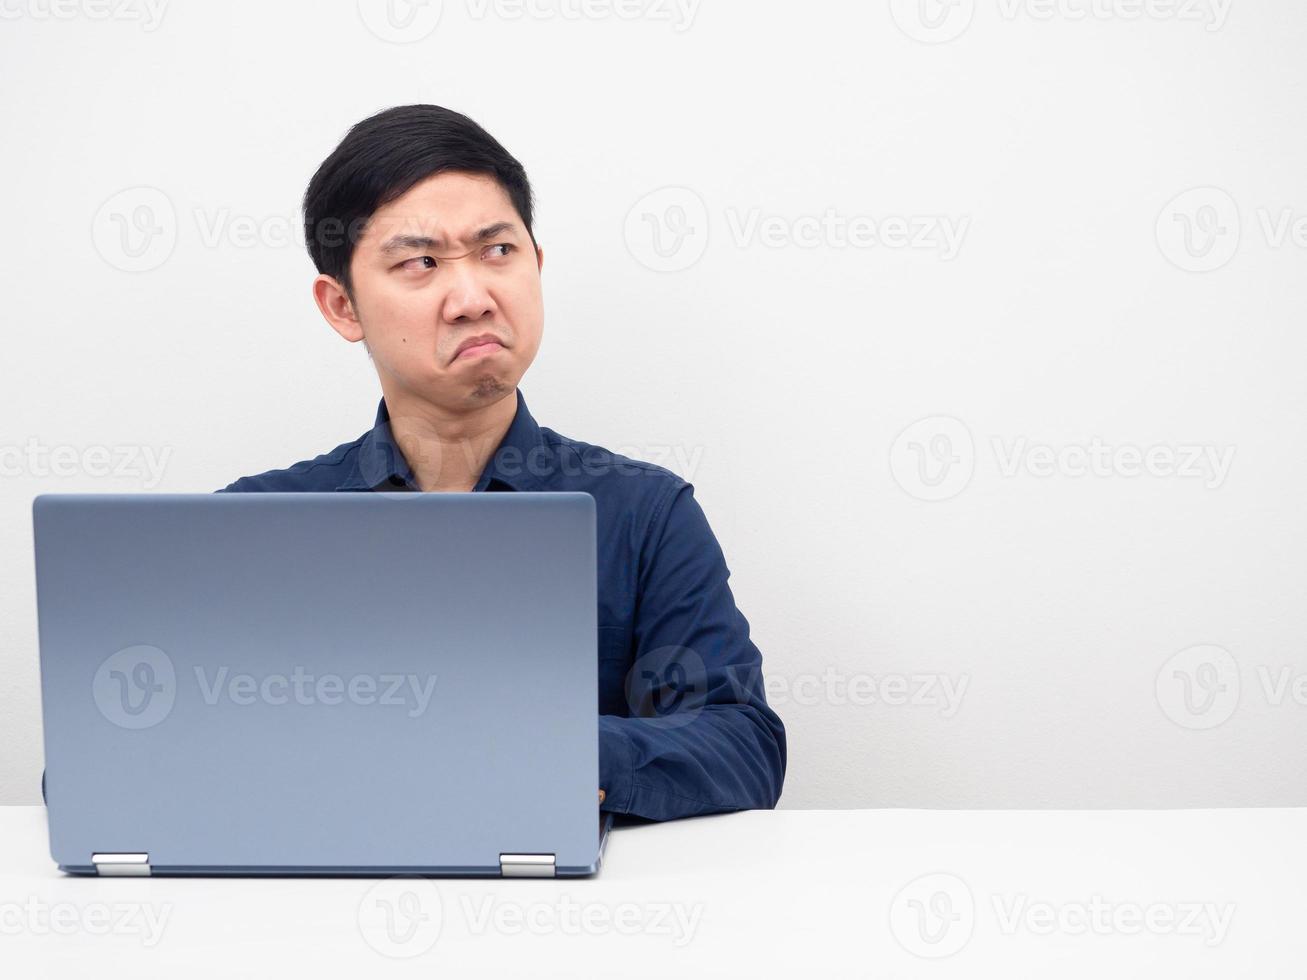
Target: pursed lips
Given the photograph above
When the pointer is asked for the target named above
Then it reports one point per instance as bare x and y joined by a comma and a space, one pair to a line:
480, 344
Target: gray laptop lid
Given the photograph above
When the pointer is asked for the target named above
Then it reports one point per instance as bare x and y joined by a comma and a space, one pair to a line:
320, 683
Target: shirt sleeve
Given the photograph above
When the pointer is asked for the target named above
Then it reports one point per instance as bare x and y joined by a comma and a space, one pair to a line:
700, 736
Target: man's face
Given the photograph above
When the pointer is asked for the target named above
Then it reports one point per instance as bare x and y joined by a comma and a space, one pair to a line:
416, 303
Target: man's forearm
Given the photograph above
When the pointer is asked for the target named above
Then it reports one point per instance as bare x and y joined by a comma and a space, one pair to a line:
726, 757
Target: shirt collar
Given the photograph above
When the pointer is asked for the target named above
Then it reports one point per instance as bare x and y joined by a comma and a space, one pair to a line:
515, 465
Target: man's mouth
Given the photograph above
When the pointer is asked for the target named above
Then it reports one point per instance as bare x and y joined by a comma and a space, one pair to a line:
478, 346
479, 350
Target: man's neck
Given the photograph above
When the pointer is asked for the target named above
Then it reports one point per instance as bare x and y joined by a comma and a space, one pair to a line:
447, 451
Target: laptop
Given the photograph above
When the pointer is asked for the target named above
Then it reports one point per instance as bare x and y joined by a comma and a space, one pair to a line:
362, 684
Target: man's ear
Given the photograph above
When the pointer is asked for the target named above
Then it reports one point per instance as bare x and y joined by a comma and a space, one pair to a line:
540, 259
337, 308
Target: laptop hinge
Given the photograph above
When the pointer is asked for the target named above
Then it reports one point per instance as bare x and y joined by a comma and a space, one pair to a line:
526, 865
121, 865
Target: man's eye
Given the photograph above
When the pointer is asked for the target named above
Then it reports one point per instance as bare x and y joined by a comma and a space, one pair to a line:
507, 248
408, 263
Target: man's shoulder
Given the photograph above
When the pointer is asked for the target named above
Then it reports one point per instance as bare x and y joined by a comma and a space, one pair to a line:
593, 466
324, 472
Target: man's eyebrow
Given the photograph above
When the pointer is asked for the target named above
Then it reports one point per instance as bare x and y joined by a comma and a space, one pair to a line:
402, 243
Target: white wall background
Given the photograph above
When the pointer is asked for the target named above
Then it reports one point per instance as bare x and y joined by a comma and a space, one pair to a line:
786, 368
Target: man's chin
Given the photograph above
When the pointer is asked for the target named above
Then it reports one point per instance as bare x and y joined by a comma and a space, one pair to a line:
490, 387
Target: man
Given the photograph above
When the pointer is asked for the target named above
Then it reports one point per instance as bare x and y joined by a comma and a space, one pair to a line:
419, 224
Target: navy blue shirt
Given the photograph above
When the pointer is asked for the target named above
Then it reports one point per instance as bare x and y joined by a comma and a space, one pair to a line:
684, 725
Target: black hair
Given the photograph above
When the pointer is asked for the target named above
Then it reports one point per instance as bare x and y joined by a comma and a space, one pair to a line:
382, 158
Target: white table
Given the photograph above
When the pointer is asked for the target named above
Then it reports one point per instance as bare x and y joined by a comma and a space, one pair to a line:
1184, 893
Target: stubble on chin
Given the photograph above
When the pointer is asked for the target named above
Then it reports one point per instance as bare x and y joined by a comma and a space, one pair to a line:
488, 387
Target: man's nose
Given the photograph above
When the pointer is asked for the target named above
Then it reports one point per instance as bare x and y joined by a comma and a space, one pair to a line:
468, 298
